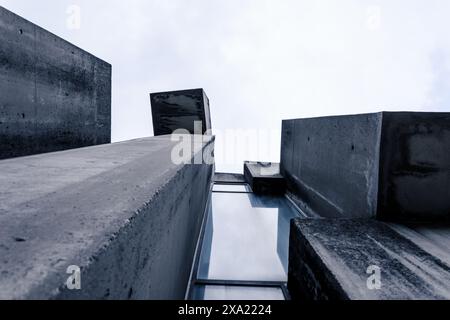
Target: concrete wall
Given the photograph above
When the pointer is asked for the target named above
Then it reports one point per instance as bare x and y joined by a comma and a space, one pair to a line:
124, 213
53, 95
331, 164
393, 166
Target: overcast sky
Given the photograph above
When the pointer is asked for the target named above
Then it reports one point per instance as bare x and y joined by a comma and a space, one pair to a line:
261, 61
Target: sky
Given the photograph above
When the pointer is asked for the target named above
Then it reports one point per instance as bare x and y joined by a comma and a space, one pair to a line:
260, 61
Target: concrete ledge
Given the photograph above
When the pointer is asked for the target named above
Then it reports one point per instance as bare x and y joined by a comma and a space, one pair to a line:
176, 110
329, 259
122, 212
264, 178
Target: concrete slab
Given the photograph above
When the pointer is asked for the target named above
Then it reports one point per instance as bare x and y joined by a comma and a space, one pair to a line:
179, 110
124, 213
330, 260
53, 95
264, 178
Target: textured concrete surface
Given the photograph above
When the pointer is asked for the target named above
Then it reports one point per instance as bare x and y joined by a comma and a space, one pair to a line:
179, 110
331, 164
415, 167
329, 259
264, 178
389, 165
53, 95
431, 237
122, 212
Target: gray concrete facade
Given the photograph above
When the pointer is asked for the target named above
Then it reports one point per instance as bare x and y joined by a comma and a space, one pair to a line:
124, 213
53, 95
391, 166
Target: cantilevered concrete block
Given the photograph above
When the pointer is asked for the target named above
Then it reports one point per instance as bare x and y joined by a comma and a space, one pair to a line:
338, 259
393, 166
180, 110
123, 213
53, 95
264, 178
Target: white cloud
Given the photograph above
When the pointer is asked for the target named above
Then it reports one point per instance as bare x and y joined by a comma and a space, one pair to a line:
262, 61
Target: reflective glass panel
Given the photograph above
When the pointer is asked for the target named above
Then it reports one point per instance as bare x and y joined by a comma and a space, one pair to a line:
246, 238
231, 188
202, 292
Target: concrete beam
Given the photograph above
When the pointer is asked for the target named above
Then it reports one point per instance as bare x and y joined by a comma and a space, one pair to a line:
124, 213
336, 259
53, 95
393, 166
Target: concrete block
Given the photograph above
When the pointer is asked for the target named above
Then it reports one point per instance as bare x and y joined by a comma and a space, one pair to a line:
179, 110
336, 259
390, 165
331, 164
264, 178
53, 95
124, 213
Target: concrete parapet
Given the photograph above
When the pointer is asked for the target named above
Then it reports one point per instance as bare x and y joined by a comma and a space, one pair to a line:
393, 166
53, 95
124, 213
